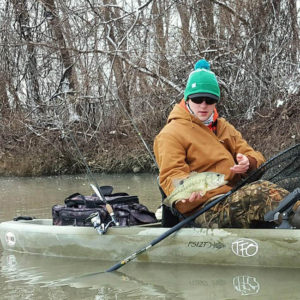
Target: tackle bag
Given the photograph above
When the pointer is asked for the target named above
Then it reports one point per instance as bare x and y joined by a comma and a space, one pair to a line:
79, 209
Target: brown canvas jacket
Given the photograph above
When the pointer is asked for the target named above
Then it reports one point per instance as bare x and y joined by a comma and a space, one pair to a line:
185, 145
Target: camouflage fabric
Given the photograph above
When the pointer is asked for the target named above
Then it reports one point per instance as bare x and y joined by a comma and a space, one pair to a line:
245, 208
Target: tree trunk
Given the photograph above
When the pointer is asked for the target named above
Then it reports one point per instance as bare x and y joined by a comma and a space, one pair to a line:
295, 29
68, 82
4, 104
25, 33
185, 28
160, 39
118, 66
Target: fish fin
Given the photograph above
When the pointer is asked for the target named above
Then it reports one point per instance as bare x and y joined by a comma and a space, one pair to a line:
193, 174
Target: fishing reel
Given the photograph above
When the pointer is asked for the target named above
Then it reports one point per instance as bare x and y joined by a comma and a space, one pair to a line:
98, 224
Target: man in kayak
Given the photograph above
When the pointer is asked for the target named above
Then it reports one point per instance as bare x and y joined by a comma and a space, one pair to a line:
196, 139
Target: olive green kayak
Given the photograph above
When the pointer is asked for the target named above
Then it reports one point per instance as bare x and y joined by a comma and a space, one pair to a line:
236, 247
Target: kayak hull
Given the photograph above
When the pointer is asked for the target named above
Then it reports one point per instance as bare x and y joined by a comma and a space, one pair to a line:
239, 247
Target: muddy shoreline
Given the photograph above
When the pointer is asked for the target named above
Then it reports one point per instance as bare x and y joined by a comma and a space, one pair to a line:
25, 152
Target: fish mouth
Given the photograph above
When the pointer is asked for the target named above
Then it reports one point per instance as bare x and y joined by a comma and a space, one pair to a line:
222, 183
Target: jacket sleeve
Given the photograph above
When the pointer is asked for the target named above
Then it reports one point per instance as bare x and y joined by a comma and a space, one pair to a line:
170, 156
239, 145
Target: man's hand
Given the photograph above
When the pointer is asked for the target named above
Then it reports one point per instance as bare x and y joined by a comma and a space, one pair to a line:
195, 196
243, 164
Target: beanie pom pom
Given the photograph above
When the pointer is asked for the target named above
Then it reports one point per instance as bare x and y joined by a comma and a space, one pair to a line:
202, 64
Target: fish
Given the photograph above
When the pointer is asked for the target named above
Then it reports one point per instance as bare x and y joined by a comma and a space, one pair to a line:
195, 182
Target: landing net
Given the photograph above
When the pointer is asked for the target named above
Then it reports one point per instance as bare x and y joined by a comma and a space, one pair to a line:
283, 169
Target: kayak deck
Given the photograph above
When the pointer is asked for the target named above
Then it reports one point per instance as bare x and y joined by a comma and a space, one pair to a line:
242, 247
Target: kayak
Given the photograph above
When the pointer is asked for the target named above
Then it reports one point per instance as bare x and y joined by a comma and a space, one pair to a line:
235, 247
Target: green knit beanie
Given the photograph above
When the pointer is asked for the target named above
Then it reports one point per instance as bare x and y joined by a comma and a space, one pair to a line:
202, 82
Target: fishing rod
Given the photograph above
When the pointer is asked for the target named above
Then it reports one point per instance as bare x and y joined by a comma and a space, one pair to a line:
94, 186
253, 176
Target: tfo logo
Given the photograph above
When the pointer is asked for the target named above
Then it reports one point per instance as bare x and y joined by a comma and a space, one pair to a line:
244, 247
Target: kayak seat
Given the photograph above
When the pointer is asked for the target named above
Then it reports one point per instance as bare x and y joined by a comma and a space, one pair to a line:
284, 211
169, 216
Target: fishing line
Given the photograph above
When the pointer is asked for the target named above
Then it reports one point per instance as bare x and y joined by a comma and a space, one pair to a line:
137, 131
126, 112
95, 187
119, 100
89, 172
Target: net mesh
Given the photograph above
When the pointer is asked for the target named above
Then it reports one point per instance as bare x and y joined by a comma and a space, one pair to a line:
283, 169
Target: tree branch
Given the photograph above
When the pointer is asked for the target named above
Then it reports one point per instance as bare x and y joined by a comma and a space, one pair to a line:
231, 10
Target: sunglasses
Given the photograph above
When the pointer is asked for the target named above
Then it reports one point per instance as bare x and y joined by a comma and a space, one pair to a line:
199, 100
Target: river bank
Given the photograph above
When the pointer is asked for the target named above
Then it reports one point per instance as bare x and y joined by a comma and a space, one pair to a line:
28, 150
52, 155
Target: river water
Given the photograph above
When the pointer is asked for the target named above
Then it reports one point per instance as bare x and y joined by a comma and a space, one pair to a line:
24, 276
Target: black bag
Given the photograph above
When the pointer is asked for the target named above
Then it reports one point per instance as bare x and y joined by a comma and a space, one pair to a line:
78, 210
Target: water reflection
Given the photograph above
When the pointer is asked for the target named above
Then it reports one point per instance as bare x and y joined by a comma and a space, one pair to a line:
246, 285
147, 281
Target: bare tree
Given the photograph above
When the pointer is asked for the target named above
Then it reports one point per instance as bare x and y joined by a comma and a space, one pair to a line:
67, 64
25, 32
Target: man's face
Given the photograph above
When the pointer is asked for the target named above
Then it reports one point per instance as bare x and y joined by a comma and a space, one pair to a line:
201, 108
